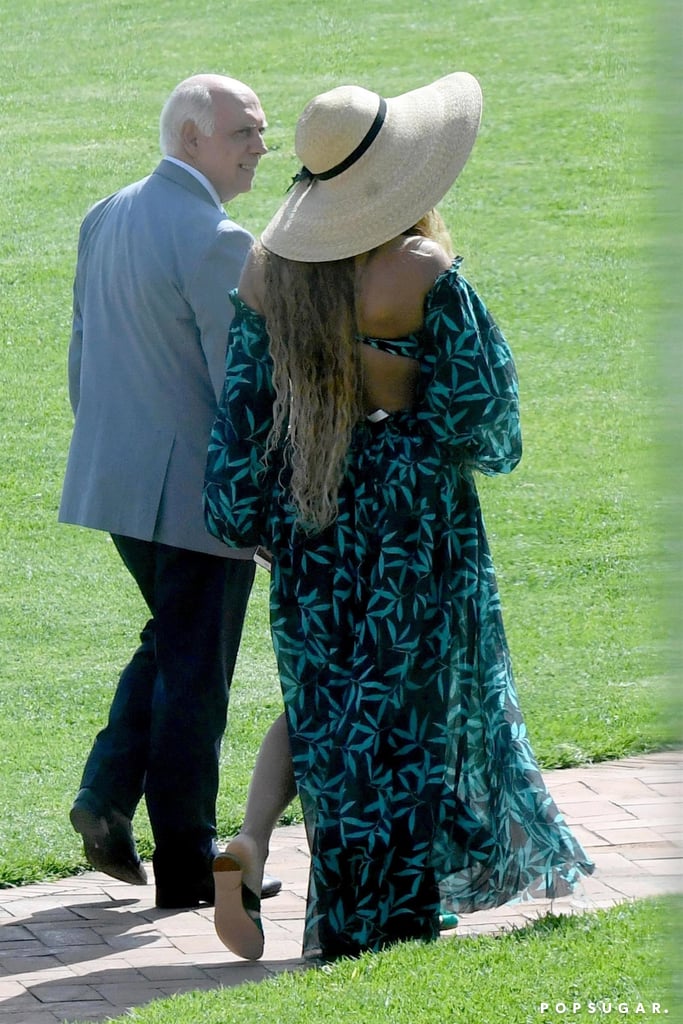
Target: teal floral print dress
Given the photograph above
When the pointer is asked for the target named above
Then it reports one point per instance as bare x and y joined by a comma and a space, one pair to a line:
419, 787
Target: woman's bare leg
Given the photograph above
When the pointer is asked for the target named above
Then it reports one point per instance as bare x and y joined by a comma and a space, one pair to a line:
271, 791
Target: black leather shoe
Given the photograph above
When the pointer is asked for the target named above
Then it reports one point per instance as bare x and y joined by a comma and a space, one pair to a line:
107, 839
270, 887
185, 897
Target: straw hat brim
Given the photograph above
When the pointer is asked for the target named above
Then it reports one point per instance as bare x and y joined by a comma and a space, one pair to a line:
421, 148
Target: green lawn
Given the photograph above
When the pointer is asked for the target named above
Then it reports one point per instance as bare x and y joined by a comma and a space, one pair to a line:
558, 971
560, 220
553, 214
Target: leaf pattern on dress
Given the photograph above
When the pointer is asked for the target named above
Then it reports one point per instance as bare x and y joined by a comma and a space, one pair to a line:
420, 789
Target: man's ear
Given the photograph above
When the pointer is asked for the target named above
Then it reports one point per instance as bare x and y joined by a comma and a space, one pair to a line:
189, 136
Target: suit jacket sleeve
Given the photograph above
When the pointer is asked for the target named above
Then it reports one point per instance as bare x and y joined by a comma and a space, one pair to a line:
76, 343
217, 274
75, 350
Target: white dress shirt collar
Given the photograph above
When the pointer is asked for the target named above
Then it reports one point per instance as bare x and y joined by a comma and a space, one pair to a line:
201, 178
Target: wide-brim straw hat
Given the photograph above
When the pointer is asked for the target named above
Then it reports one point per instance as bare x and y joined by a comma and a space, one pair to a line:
373, 167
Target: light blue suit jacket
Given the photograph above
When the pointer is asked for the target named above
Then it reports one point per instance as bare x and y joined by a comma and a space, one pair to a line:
151, 314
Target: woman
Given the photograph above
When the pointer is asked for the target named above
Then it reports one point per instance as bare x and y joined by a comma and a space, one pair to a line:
365, 384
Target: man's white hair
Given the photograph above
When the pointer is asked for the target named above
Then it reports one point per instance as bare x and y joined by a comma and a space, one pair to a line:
191, 100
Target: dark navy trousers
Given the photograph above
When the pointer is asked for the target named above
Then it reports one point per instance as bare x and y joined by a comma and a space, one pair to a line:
169, 710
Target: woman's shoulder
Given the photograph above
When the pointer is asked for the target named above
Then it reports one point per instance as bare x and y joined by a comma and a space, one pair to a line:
251, 288
394, 282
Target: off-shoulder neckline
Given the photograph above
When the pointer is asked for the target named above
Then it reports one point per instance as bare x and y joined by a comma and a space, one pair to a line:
451, 271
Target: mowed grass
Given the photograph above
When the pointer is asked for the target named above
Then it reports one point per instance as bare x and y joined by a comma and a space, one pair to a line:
556, 217
561, 969
561, 223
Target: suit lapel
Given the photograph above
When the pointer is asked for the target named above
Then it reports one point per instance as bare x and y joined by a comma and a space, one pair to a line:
178, 175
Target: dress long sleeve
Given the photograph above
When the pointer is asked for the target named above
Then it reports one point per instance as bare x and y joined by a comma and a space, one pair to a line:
470, 395
236, 480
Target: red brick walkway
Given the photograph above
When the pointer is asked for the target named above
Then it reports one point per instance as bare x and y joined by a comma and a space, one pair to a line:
88, 948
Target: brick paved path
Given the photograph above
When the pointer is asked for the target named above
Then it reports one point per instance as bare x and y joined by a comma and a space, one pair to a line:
88, 948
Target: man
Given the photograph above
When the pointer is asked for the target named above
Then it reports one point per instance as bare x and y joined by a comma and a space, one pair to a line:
151, 313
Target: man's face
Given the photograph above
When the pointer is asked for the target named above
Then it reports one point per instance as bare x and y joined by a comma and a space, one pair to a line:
230, 156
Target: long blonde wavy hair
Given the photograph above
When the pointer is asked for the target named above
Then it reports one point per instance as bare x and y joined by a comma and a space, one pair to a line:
312, 321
